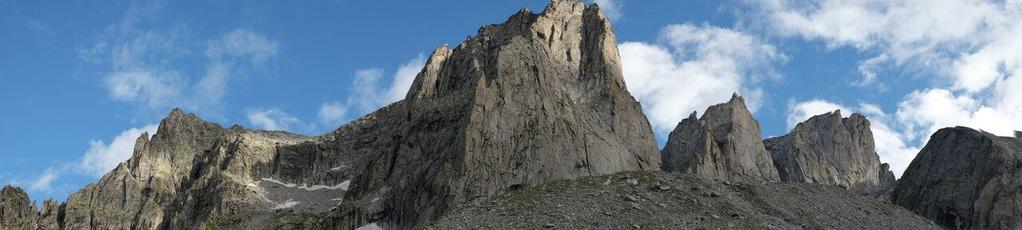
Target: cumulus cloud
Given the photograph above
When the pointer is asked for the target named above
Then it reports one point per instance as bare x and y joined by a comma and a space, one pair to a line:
369, 94
975, 53
101, 157
272, 119
243, 43
893, 147
693, 67
611, 8
801, 111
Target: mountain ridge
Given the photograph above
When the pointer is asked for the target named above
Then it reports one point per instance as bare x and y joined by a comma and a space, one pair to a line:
524, 106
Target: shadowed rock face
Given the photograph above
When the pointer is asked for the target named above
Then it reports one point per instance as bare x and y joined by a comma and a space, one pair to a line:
538, 98
723, 144
966, 179
829, 149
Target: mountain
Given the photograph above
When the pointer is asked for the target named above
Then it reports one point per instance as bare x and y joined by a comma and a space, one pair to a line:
829, 149
722, 144
16, 210
538, 98
534, 109
965, 179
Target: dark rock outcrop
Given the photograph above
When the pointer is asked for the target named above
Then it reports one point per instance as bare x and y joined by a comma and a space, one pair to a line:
723, 144
829, 149
16, 210
965, 179
538, 98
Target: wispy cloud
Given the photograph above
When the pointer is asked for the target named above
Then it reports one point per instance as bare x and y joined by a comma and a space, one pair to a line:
150, 64
273, 119
368, 94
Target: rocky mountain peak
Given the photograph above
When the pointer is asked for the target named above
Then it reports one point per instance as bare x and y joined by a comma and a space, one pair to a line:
16, 210
965, 179
829, 149
1018, 134
722, 144
538, 98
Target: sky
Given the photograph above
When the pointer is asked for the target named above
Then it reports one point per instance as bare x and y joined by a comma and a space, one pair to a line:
80, 81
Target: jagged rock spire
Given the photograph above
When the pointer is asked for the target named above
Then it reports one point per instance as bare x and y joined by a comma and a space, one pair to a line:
540, 97
722, 144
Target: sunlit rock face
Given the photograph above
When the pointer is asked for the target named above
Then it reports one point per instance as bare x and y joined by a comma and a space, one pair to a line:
722, 144
829, 149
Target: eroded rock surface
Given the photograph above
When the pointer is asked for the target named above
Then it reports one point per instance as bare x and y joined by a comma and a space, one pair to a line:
965, 179
829, 149
722, 144
538, 98
16, 210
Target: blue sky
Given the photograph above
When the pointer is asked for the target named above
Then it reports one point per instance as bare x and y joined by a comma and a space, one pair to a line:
80, 81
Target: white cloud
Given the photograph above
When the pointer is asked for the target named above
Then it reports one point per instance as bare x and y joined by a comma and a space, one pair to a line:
694, 67
42, 183
367, 93
925, 111
869, 68
101, 157
272, 119
892, 147
976, 52
152, 89
403, 78
611, 8
146, 61
332, 113
802, 111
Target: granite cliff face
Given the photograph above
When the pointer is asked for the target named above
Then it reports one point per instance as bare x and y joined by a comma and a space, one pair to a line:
829, 149
538, 98
965, 179
723, 144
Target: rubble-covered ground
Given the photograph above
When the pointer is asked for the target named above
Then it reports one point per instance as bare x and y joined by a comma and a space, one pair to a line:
659, 200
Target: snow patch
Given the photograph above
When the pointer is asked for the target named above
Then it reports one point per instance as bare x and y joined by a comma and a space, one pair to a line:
289, 185
287, 204
371, 226
342, 186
